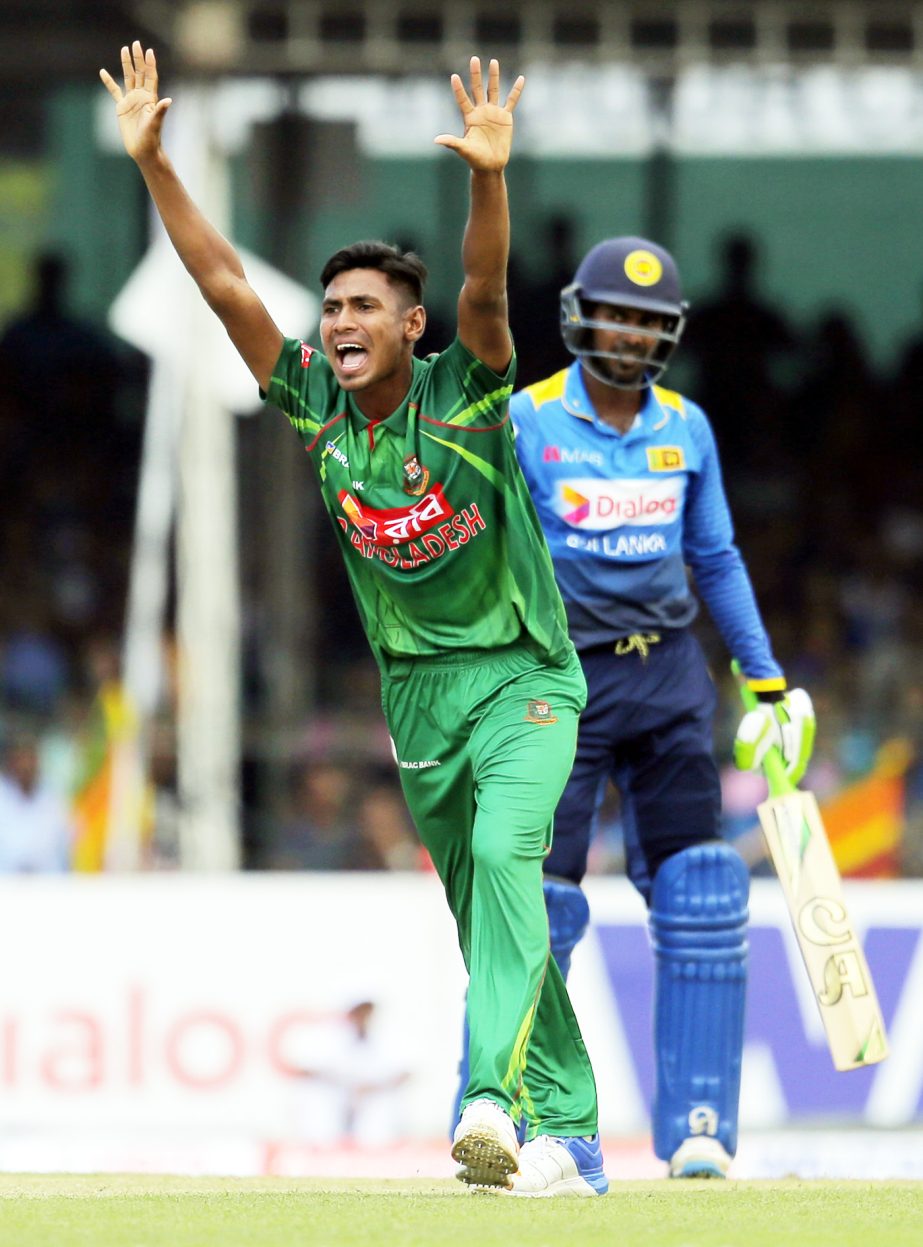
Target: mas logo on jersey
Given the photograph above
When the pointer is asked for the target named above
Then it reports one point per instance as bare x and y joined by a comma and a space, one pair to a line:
666, 458
540, 712
643, 268
562, 454
416, 477
600, 505
306, 353
391, 526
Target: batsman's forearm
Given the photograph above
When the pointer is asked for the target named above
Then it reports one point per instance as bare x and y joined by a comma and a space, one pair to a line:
210, 259
486, 244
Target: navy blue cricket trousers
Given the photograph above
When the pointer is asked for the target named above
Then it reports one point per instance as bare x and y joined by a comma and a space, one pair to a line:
647, 726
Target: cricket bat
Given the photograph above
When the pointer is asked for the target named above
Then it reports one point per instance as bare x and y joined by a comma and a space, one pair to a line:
836, 965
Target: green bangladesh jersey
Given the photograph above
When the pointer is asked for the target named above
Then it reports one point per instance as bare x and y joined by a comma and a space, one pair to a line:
442, 544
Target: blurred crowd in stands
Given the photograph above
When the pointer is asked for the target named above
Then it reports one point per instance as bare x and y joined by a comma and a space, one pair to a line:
827, 495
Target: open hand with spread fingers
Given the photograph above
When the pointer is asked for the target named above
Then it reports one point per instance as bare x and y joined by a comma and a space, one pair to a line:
139, 111
488, 136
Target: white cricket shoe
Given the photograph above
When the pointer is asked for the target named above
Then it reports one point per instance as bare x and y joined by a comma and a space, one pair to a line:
485, 1145
556, 1165
700, 1156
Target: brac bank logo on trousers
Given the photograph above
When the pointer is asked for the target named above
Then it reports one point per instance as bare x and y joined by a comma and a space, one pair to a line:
602, 505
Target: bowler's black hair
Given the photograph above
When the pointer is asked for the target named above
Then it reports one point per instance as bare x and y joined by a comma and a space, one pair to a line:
403, 268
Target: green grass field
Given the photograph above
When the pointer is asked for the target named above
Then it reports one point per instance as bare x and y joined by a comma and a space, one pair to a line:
143, 1211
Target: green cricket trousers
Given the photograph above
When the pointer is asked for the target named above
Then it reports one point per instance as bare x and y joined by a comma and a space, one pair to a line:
485, 740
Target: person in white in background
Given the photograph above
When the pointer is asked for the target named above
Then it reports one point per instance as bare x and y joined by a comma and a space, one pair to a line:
36, 831
351, 1080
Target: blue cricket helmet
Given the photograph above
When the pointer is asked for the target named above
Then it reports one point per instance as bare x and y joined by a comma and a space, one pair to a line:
624, 272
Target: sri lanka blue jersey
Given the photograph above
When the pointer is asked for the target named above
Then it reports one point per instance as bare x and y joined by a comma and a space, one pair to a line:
626, 514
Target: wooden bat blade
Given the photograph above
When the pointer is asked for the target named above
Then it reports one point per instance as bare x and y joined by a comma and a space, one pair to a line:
833, 956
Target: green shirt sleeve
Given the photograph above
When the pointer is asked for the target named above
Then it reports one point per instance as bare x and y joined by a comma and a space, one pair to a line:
483, 395
300, 386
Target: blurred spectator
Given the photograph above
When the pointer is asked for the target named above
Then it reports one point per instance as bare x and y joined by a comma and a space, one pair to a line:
36, 833
874, 603
535, 301
70, 426
321, 833
738, 339
388, 841
837, 390
741, 793
57, 366
33, 665
351, 1078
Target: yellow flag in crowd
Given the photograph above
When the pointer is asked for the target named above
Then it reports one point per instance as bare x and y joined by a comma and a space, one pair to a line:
111, 731
865, 822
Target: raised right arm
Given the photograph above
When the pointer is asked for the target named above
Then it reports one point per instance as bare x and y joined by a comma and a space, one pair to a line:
210, 259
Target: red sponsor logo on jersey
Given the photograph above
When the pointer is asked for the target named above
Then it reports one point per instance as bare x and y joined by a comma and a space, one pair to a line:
393, 525
454, 533
306, 353
552, 454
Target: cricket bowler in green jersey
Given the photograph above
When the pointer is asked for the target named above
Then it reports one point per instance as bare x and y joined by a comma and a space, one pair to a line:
481, 687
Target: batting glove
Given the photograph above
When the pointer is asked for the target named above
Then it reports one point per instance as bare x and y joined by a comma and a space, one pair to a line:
788, 723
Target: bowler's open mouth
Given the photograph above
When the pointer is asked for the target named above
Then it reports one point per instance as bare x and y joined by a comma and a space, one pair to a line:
351, 356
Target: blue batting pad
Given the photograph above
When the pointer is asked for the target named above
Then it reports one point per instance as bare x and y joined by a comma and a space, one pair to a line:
568, 918
698, 923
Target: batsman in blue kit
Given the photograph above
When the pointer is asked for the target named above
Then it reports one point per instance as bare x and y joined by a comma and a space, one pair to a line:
627, 484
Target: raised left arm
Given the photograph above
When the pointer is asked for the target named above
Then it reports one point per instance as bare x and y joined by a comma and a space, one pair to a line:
483, 321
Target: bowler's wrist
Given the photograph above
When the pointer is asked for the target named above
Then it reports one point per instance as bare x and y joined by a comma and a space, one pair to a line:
153, 163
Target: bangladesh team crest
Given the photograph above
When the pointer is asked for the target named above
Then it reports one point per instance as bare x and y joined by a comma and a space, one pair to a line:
540, 712
416, 477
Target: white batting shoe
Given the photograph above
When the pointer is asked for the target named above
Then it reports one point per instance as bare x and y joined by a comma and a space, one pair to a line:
485, 1145
700, 1156
555, 1165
